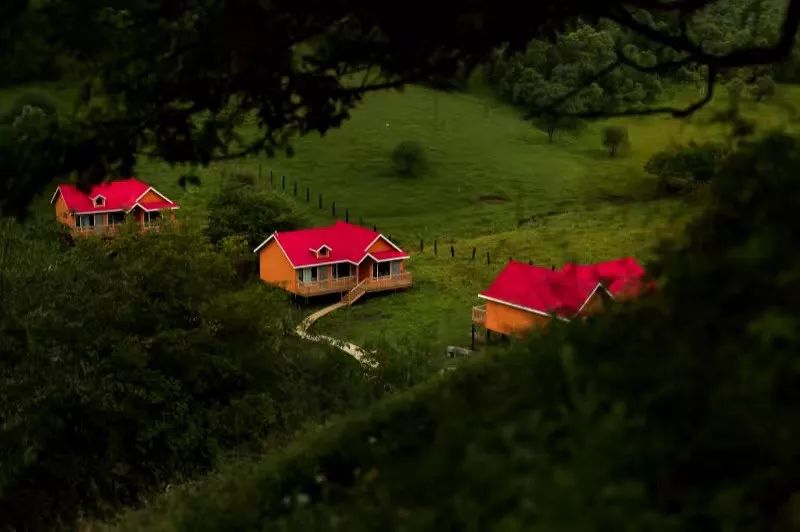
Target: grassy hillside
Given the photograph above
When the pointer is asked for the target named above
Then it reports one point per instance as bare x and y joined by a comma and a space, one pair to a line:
494, 183
437, 310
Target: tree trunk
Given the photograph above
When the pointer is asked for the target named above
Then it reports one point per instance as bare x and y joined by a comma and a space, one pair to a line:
550, 134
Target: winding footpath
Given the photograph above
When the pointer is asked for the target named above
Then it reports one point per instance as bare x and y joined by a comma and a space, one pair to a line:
359, 353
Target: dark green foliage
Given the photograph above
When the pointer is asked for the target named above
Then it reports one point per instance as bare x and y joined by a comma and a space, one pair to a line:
128, 364
763, 87
409, 159
615, 139
554, 123
679, 168
242, 209
675, 413
547, 71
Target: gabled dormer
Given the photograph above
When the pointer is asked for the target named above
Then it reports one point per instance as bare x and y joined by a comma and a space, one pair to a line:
99, 201
322, 252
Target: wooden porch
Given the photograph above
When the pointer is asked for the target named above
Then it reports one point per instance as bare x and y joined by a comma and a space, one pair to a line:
346, 284
479, 315
110, 230
326, 286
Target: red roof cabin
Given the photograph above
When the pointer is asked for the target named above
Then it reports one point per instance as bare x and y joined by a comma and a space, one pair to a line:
340, 258
106, 205
524, 297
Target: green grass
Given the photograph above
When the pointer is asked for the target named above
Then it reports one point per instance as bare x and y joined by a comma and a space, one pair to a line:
437, 309
494, 182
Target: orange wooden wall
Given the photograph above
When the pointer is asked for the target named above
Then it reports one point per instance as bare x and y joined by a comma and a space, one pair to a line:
509, 320
62, 212
150, 196
274, 267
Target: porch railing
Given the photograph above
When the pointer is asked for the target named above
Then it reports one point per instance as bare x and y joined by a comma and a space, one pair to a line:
326, 286
388, 282
479, 314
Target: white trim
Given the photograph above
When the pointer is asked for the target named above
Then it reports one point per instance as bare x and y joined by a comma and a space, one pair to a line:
99, 212
521, 307
593, 292
53, 198
171, 208
149, 188
270, 237
371, 256
366, 249
319, 248
94, 200
261, 245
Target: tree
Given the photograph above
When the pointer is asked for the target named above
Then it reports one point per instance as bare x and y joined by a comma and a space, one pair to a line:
764, 87
680, 167
181, 94
242, 209
409, 158
615, 138
553, 123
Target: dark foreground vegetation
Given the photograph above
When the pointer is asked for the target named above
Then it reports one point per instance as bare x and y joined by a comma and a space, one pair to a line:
132, 365
675, 413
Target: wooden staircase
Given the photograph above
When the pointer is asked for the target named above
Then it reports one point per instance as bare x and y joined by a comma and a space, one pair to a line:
355, 293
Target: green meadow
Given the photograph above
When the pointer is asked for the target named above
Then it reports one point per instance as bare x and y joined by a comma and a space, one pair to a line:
493, 183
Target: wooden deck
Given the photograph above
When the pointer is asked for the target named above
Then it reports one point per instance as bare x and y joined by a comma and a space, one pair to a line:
110, 230
479, 315
327, 286
346, 284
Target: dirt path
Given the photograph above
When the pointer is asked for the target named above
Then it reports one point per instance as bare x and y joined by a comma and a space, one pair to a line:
353, 350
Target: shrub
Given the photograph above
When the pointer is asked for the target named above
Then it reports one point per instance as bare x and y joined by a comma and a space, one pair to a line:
244, 210
36, 99
679, 168
615, 138
409, 159
764, 87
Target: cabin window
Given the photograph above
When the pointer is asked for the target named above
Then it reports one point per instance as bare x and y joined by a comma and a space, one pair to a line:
343, 270
381, 269
84, 220
115, 218
152, 216
323, 252
307, 275
100, 219
99, 201
322, 272
395, 267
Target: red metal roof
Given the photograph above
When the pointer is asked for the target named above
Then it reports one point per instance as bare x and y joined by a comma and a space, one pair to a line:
120, 195
540, 289
346, 242
622, 277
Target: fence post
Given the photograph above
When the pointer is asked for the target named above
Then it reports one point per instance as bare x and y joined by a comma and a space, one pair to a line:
452, 252
283, 183
308, 194
435, 247
474, 250
488, 260
347, 215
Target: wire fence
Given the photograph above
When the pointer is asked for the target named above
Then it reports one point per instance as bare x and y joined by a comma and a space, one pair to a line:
450, 251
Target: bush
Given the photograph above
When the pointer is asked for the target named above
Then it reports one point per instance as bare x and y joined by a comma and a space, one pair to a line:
36, 99
615, 138
244, 210
679, 168
409, 159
